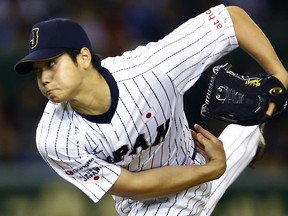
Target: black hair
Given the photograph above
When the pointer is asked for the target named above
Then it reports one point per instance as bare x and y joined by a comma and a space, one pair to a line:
96, 60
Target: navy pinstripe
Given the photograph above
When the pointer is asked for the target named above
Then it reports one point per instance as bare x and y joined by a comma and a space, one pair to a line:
149, 82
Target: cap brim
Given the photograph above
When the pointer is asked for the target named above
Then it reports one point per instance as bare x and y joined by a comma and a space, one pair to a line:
25, 65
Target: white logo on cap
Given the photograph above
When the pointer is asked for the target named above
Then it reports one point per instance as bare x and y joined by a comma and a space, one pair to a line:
35, 36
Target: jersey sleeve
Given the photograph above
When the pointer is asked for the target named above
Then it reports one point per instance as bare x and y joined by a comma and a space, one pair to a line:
192, 47
57, 143
185, 53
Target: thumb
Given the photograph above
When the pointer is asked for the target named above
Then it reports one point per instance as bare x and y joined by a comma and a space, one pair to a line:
271, 108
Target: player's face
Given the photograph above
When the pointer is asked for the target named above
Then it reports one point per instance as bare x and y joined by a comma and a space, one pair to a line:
58, 79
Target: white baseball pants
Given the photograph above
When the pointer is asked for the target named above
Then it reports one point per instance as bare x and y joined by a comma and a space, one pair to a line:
240, 144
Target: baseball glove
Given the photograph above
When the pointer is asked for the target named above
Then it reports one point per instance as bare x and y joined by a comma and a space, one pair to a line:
242, 99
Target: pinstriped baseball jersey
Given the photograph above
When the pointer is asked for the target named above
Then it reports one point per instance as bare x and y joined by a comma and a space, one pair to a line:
145, 126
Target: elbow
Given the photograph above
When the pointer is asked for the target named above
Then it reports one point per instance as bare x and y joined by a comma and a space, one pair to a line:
236, 12
127, 186
242, 22
129, 194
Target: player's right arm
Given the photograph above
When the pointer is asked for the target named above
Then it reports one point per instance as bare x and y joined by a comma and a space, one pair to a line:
253, 41
164, 181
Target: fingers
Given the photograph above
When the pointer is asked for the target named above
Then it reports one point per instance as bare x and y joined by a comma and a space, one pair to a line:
199, 147
204, 134
208, 143
211, 148
194, 136
271, 109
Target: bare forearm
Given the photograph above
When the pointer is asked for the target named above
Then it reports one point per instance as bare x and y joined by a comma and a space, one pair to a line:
165, 181
253, 40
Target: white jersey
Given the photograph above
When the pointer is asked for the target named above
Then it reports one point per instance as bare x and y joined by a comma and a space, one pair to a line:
145, 126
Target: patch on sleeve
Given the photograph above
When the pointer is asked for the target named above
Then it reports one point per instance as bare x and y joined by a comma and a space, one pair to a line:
214, 19
89, 172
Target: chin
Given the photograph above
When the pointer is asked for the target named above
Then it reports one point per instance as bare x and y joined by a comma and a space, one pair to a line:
55, 99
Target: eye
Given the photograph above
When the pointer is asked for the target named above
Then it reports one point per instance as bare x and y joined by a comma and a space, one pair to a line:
37, 70
51, 64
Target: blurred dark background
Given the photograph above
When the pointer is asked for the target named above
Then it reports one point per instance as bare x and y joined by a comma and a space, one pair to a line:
27, 184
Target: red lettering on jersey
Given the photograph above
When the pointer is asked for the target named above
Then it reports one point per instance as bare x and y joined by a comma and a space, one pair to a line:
212, 19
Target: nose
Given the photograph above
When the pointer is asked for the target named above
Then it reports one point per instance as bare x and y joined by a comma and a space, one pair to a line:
45, 77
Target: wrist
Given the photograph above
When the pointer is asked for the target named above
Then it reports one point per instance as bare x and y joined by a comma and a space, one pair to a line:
283, 79
216, 168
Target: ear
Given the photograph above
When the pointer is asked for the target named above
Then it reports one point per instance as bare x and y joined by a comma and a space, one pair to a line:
84, 57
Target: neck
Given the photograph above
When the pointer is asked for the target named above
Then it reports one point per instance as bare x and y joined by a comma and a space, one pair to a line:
95, 97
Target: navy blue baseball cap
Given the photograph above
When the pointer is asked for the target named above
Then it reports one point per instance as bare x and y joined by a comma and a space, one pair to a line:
51, 38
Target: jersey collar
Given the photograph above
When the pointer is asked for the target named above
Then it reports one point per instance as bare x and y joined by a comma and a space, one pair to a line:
106, 117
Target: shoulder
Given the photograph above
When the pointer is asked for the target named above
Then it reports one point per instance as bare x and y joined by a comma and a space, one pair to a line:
55, 108
55, 114
55, 128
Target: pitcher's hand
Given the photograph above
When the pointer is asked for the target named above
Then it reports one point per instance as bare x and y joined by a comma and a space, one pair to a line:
210, 147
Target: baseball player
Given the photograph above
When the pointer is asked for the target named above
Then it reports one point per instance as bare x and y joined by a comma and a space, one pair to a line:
117, 126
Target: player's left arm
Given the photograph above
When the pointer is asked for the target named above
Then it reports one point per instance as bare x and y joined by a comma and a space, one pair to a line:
254, 41
168, 180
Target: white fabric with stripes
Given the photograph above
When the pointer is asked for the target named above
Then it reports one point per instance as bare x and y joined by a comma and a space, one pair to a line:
146, 126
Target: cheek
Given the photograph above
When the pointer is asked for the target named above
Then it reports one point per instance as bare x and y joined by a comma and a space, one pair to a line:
41, 88
69, 80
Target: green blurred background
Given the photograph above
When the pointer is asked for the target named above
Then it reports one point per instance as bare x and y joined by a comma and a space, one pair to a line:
28, 187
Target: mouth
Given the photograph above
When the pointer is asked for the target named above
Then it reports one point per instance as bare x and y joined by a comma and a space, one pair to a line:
49, 92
